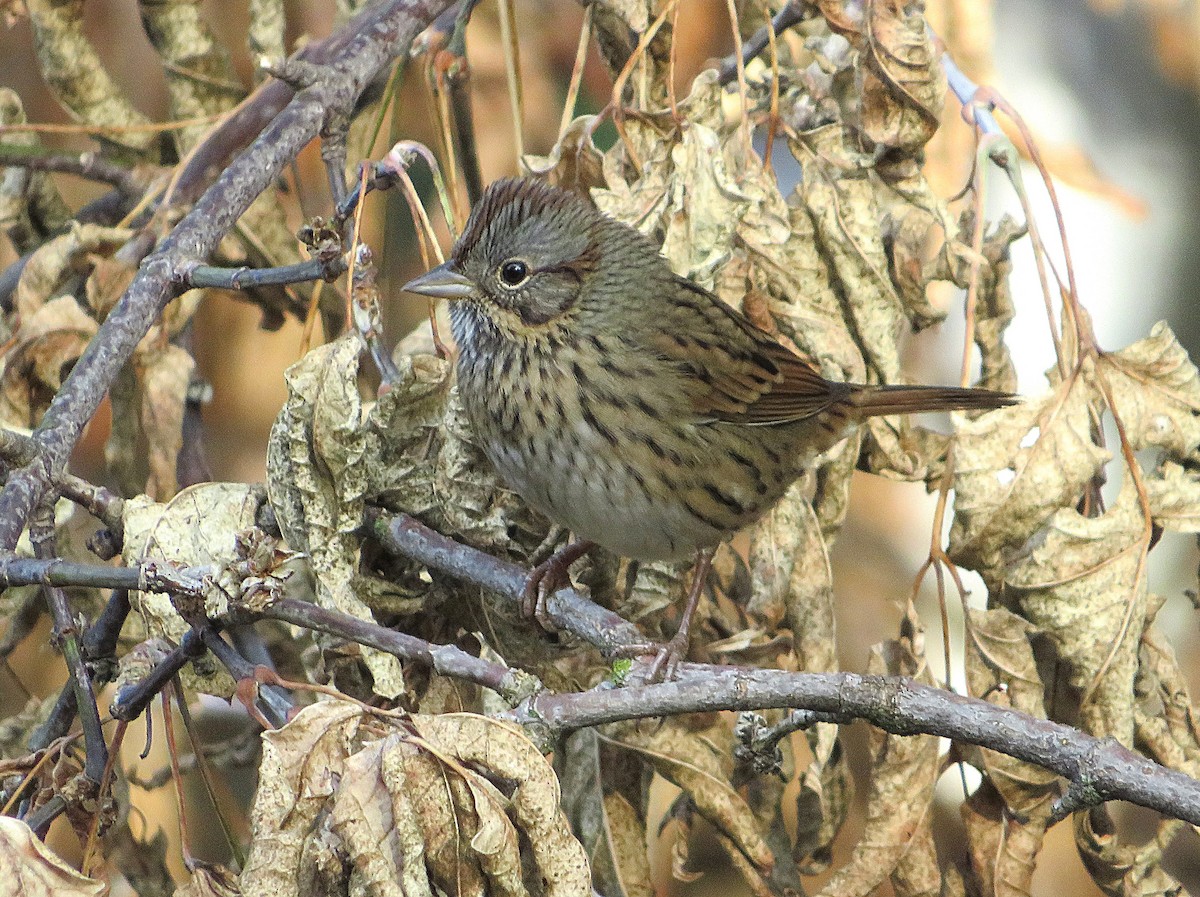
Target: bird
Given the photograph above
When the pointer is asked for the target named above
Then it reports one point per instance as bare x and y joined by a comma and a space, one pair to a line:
624, 401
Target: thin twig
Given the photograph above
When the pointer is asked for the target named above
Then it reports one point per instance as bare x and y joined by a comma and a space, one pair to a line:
66, 636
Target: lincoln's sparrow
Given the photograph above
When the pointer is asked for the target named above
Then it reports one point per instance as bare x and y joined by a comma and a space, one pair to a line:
624, 401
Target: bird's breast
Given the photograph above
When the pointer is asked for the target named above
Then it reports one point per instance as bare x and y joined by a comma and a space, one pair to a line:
610, 453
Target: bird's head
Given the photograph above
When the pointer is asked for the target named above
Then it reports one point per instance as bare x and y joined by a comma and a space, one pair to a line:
532, 256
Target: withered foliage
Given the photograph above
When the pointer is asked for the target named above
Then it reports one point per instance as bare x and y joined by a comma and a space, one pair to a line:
398, 780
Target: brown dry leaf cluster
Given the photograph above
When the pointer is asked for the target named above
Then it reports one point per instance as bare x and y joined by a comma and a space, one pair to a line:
450, 804
447, 799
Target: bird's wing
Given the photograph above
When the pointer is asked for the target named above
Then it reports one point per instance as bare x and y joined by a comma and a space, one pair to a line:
734, 371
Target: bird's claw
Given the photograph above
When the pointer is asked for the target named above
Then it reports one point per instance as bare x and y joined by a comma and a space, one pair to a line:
548, 577
543, 581
667, 660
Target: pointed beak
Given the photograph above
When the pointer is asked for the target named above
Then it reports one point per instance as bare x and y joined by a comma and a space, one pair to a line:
442, 282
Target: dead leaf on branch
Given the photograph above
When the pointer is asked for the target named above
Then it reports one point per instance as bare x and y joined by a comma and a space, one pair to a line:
455, 801
1122, 869
573, 163
210, 880
700, 762
611, 831
1156, 391
66, 256
1167, 724
1085, 587
165, 375
48, 341
900, 792
792, 585
903, 85
317, 476
36, 871
1001, 669
1017, 466
196, 528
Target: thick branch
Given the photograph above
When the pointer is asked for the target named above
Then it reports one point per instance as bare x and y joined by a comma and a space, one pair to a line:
897, 705
567, 608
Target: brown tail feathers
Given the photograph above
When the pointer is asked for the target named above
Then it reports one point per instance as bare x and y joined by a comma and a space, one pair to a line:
876, 400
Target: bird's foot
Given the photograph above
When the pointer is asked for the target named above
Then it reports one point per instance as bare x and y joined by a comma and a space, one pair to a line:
548, 577
671, 653
668, 658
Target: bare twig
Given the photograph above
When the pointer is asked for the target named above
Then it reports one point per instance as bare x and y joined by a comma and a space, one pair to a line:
248, 278
66, 636
91, 166
447, 660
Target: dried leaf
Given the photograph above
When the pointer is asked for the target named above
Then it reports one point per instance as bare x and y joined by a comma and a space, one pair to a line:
1001, 668
574, 163
1015, 467
27, 864
791, 579
298, 776
504, 751
697, 762
210, 881
608, 827
1085, 587
431, 810
165, 377
900, 794
49, 340
903, 85
1156, 393
1122, 869
1174, 494
62, 258
846, 212
824, 800
195, 529
317, 479
380, 840
1167, 724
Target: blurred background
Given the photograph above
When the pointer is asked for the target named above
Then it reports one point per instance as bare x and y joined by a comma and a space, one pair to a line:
1109, 88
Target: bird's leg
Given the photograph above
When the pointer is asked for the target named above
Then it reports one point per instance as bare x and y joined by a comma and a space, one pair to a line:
547, 578
676, 649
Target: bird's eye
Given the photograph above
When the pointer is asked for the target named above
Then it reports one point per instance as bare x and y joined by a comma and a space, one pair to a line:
514, 272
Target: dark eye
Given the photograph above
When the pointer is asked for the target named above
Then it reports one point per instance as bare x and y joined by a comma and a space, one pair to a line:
514, 272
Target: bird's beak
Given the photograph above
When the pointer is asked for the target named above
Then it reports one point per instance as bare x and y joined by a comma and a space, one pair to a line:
442, 282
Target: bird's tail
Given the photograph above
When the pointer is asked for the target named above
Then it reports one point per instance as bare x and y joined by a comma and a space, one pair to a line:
871, 401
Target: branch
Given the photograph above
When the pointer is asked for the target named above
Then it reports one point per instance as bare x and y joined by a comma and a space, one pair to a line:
148, 577
1103, 767
448, 660
793, 13
66, 638
894, 704
568, 609
91, 166
245, 278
